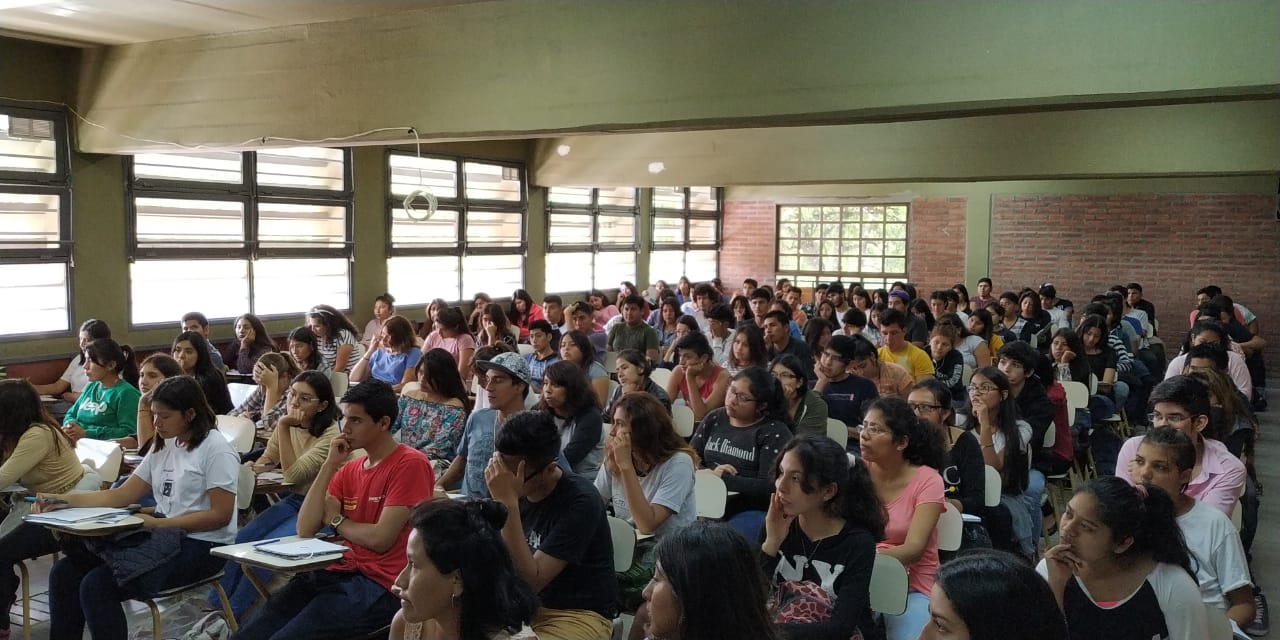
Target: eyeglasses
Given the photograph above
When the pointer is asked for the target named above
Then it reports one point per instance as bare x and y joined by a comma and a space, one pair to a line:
985, 388
739, 396
301, 398
873, 429
921, 407
1170, 419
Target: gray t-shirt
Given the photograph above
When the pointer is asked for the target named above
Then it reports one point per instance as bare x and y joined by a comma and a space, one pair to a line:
669, 484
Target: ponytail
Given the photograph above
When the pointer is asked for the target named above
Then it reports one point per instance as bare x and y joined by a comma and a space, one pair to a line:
1144, 513
129, 368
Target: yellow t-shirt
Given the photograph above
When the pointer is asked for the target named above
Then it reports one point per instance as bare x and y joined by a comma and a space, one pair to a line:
912, 358
43, 461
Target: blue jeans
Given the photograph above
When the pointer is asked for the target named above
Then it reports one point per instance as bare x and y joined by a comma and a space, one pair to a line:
909, 624
83, 591
319, 605
278, 521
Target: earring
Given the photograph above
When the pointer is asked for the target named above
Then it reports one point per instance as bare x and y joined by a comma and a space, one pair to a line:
453, 601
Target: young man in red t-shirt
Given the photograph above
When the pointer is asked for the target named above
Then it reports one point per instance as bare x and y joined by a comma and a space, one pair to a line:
366, 501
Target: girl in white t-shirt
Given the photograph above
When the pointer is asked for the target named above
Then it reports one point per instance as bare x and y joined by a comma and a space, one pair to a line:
192, 471
1121, 570
68, 387
1165, 458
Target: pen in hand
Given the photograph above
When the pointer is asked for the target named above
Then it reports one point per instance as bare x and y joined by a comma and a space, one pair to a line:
44, 501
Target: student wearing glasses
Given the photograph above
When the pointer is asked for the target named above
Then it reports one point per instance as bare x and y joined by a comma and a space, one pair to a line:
805, 407
1182, 403
903, 453
964, 473
739, 441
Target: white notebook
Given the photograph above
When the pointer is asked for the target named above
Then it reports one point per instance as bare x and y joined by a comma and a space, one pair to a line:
78, 514
300, 549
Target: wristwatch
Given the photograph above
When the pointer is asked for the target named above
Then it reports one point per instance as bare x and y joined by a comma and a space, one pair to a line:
337, 520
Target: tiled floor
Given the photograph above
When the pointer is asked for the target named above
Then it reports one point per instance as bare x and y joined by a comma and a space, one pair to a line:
1266, 546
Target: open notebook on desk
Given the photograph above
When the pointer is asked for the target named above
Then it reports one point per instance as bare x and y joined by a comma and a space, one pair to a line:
300, 549
76, 515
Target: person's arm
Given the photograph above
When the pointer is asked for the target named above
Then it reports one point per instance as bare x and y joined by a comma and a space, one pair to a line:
651, 343
318, 501
360, 370
586, 435
601, 388
924, 519
986, 440
73, 413
1240, 607
55, 388
341, 356
222, 508
613, 333
951, 370
270, 457
718, 391
673, 384
464, 362
973, 478
1225, 491
32, 448
537, 568
410, 484
130, 492
982, 355
410, 375
453, 474
1239, 373
698, 442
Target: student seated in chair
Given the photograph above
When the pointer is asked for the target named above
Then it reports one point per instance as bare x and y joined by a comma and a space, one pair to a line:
366, 501
556, 531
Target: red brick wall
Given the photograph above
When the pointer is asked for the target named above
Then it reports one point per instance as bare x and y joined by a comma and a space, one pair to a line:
1172, 244
935, 249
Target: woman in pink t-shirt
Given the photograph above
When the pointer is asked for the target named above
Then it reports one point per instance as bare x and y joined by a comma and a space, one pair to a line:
451, 335
902, 453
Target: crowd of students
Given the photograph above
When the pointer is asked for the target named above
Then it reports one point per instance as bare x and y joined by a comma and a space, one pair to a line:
513, 409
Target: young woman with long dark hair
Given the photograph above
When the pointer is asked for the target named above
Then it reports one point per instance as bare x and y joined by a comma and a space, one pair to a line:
451, 335
73, 381
1121, 569
460, 576
252, 340
992, 595
902, 454
567, 396
392, 355
305, 349
193, 473
523, 311
431, 418
298, 447
190, 350
681, 606
1004, 438
107, 409
336, 337
823, 513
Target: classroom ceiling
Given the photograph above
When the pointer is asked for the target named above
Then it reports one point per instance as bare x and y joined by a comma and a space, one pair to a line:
87, 23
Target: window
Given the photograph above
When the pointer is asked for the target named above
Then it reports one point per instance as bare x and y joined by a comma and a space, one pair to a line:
474, 240
591, 238
862, 243
686, 234
224, 233
35, 222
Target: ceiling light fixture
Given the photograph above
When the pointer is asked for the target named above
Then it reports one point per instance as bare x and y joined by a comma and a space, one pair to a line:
563, 150
657, 167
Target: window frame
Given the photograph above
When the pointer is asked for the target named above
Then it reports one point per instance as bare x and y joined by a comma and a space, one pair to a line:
687, 214
844, 276
461, 248
56, 183
594, 211
250, 195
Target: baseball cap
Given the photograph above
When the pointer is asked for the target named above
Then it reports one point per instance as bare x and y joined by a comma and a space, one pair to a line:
1048, 290
512, 364
900, 294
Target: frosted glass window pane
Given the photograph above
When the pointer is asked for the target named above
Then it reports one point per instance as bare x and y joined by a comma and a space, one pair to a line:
301, 225
702, 266
568, 272
617, 197
612, 267
30, 219
702, 199
567, 228
441, 230
409, 173
35, 298
495, 228
493, 182
213, 166
276, 290
498, 276
421, 279
302, 168
569, 195
177, 222
162, 290
668, 198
